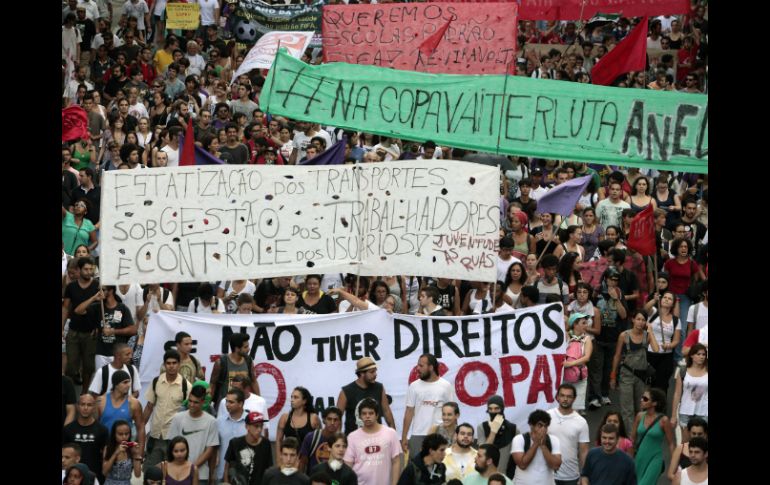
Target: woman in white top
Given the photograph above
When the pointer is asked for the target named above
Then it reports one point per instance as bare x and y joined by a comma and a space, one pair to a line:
389, 146
412, 289
668, 332
478, 300
515, 280
143, 133
573, 235
691, 397
500, 305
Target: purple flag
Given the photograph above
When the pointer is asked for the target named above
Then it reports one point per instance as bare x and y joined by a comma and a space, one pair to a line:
562, 198
333, 156
202, 157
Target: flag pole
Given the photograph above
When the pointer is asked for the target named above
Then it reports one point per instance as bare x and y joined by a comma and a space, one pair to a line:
580, 22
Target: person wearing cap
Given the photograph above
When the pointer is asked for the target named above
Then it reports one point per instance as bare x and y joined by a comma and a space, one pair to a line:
248, 456
119, 404
537, 184
365, 386
497, 430
506, 258
230, 425
572, 430
613, 310
579, 349
200, 431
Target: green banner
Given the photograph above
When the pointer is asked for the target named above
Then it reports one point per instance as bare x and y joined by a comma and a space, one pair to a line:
515, 115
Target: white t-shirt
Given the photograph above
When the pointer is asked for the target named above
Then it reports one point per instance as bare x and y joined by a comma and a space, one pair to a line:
344, 305
159, 7
138, 9
205, 309
331, 280
207, 11
502, 267
609, 214
391, 153
703, 315
96, 382
571, 429
427, 398
252, 403
538, 472
132, 298
138, 110
173, 156
227, 287
300, 142
535, 194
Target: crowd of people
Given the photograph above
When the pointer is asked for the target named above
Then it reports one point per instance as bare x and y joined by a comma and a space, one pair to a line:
634, 323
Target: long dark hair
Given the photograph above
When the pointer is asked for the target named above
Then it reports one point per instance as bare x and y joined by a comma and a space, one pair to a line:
308, 400
113, 444
172, 444
509, 279
566, 266
621, 426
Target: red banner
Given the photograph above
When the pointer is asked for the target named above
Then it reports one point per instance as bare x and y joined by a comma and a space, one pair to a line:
480, 39
571, 9
641, 237
74, 123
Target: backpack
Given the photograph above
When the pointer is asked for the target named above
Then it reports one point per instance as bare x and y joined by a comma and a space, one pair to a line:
222, 377
105, 375
575, 351
184, 388
214, 305
528, 442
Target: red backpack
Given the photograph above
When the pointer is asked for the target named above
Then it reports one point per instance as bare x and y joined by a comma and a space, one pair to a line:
575, 351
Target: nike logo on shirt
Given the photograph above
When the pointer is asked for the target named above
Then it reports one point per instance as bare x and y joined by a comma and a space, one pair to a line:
187, 433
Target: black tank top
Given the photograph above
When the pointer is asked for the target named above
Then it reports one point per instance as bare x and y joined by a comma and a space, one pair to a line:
446, 297
298, 433
354, 395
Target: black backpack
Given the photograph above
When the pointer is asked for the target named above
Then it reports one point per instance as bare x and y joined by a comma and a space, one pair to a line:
511, 468
105, 376
184, 388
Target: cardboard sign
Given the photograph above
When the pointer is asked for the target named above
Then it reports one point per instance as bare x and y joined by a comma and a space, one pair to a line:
185, 16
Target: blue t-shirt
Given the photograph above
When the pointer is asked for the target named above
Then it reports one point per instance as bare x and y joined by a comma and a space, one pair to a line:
609, 469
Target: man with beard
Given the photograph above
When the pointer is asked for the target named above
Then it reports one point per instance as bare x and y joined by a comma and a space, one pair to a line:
81, 338
424, 400
461, 457
373, 451
698, 471
607, 465
486, 466
498, 430
364, 386
235, 148
572, 430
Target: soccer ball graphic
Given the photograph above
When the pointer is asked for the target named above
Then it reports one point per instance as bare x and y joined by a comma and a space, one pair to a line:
246, 31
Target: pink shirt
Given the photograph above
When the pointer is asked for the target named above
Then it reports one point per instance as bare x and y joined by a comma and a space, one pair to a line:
371, 455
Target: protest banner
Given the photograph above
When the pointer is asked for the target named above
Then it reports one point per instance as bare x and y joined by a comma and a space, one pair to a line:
516, 355
515, 115
479, 39
254, 18
261, 56
225, 222
572, 9
185, 16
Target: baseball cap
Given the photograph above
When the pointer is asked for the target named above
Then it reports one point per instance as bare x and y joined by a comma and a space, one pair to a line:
537, 171
255, 417
575, 317
365, 364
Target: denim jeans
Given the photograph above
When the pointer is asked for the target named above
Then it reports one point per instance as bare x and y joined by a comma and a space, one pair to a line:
684, 307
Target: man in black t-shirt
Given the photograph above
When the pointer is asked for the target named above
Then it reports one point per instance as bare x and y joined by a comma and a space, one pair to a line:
449, 296
88, 433
81, 338
269, 293
114, 325
249, 456
364, 386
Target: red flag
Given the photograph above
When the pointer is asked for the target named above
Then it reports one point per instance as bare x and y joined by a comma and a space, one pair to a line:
74, 124
641, 237
187, 156
429, 45
629, 55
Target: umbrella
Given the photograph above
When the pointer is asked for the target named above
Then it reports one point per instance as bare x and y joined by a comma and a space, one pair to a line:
490, 159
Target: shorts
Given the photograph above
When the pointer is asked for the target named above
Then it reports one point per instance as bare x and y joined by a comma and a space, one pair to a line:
685, 418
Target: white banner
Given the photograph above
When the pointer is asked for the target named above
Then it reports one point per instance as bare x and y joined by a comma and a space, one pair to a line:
516, 355
261, 56
213, 223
